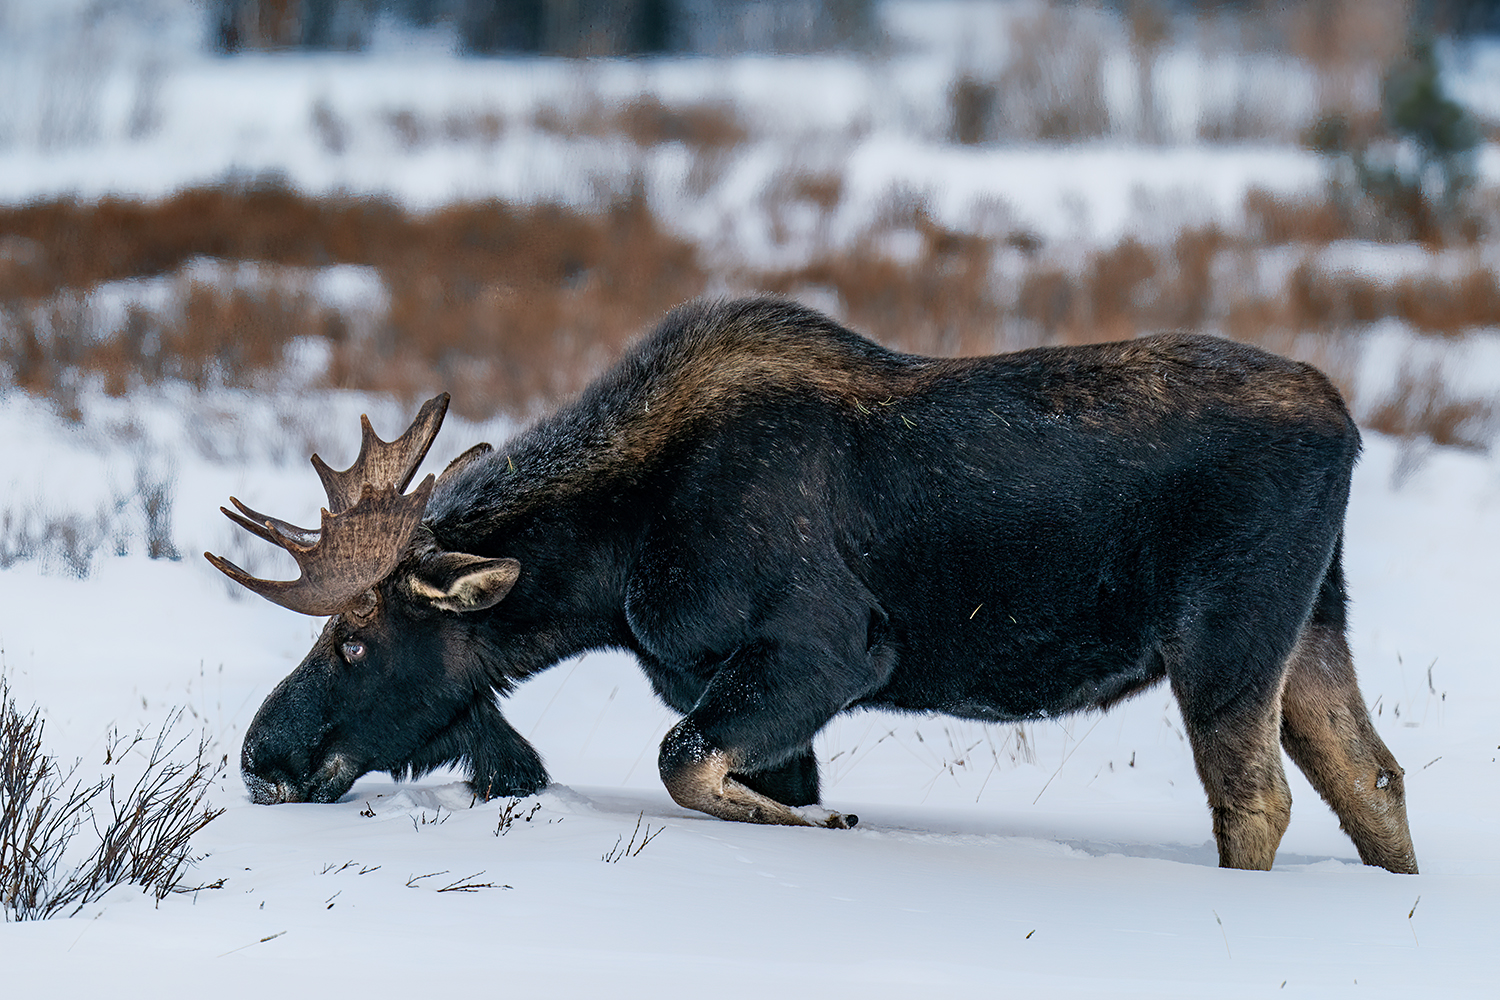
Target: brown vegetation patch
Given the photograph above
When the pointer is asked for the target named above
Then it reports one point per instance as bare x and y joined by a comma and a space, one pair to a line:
515, 307
1273, 219
1422, 406
513, 304
943, 302
646, 121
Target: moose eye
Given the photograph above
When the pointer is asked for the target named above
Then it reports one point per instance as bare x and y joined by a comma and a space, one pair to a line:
353, 650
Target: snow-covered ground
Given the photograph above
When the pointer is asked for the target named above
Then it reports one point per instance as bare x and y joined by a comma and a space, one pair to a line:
1062, 858
1070, 858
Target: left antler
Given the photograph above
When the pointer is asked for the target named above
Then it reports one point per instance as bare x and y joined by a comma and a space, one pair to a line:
364, 531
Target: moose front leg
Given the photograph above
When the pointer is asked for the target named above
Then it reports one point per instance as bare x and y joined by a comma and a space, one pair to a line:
697, 774
498, 759
754, 725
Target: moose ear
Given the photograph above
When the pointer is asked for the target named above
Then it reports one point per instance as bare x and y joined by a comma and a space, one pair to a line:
456, 581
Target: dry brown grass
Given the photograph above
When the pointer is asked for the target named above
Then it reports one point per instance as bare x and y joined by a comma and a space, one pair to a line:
646, 121
1421, 406
513, 305
1272, 219
943, 302
513, 308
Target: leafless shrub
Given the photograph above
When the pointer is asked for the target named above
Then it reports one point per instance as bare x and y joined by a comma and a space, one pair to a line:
1052, 87
69, 541
143, 835
630, 849
510, 811
1422, 406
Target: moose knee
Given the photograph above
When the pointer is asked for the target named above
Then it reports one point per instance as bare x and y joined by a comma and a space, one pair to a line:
691, 767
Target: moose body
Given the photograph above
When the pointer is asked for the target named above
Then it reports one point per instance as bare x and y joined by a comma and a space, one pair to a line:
783, 521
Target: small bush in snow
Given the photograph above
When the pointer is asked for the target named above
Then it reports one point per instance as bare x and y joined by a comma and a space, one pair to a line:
140, 837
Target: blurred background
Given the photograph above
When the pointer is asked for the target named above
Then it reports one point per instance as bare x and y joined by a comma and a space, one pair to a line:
227, 226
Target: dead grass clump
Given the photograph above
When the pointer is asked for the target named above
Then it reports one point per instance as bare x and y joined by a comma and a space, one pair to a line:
1276, 220
943, 302
514, 305
1125, 290
1316, 300
646, 121
1421, 406
1121, 289
705, 126
413, 131
1449, 308
143, 831
1047, 299
1191, 299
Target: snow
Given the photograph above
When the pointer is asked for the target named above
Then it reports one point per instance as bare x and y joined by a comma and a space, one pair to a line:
1064, 858
1071, 857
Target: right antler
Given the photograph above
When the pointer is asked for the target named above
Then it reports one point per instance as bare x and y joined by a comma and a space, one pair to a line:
365, 529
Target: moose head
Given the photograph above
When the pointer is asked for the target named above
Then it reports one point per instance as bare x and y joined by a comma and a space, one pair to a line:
392, 683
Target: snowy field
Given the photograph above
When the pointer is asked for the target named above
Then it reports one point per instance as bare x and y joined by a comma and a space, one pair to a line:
1068, 858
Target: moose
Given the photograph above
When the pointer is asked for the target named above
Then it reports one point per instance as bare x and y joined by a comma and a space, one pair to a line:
783, 521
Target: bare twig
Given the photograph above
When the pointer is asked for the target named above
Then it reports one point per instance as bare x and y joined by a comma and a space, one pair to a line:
631, 849
510, 811
466, 884
252, 944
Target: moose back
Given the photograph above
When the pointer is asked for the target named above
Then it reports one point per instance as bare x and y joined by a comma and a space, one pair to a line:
783, 521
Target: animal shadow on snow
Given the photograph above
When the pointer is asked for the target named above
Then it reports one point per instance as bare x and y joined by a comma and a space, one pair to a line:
630, 803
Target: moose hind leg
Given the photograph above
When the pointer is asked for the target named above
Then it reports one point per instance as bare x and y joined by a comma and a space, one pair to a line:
1328, 734
1239, 763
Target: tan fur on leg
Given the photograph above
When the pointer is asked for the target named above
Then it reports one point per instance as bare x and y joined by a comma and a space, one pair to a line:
1240, 765
1328, 734
705, 785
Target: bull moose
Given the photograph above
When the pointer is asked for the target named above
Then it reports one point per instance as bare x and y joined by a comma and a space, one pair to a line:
783, 521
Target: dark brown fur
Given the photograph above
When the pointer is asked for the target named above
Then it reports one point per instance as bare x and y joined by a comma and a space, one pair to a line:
784, 521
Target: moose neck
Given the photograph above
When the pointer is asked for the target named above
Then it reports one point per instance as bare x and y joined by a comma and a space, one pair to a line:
540, 499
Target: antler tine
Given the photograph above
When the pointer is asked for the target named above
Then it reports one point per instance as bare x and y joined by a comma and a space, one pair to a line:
273, 530
383, 463
352, 551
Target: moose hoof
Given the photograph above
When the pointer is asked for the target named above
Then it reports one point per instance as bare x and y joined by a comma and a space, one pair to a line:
818, 816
